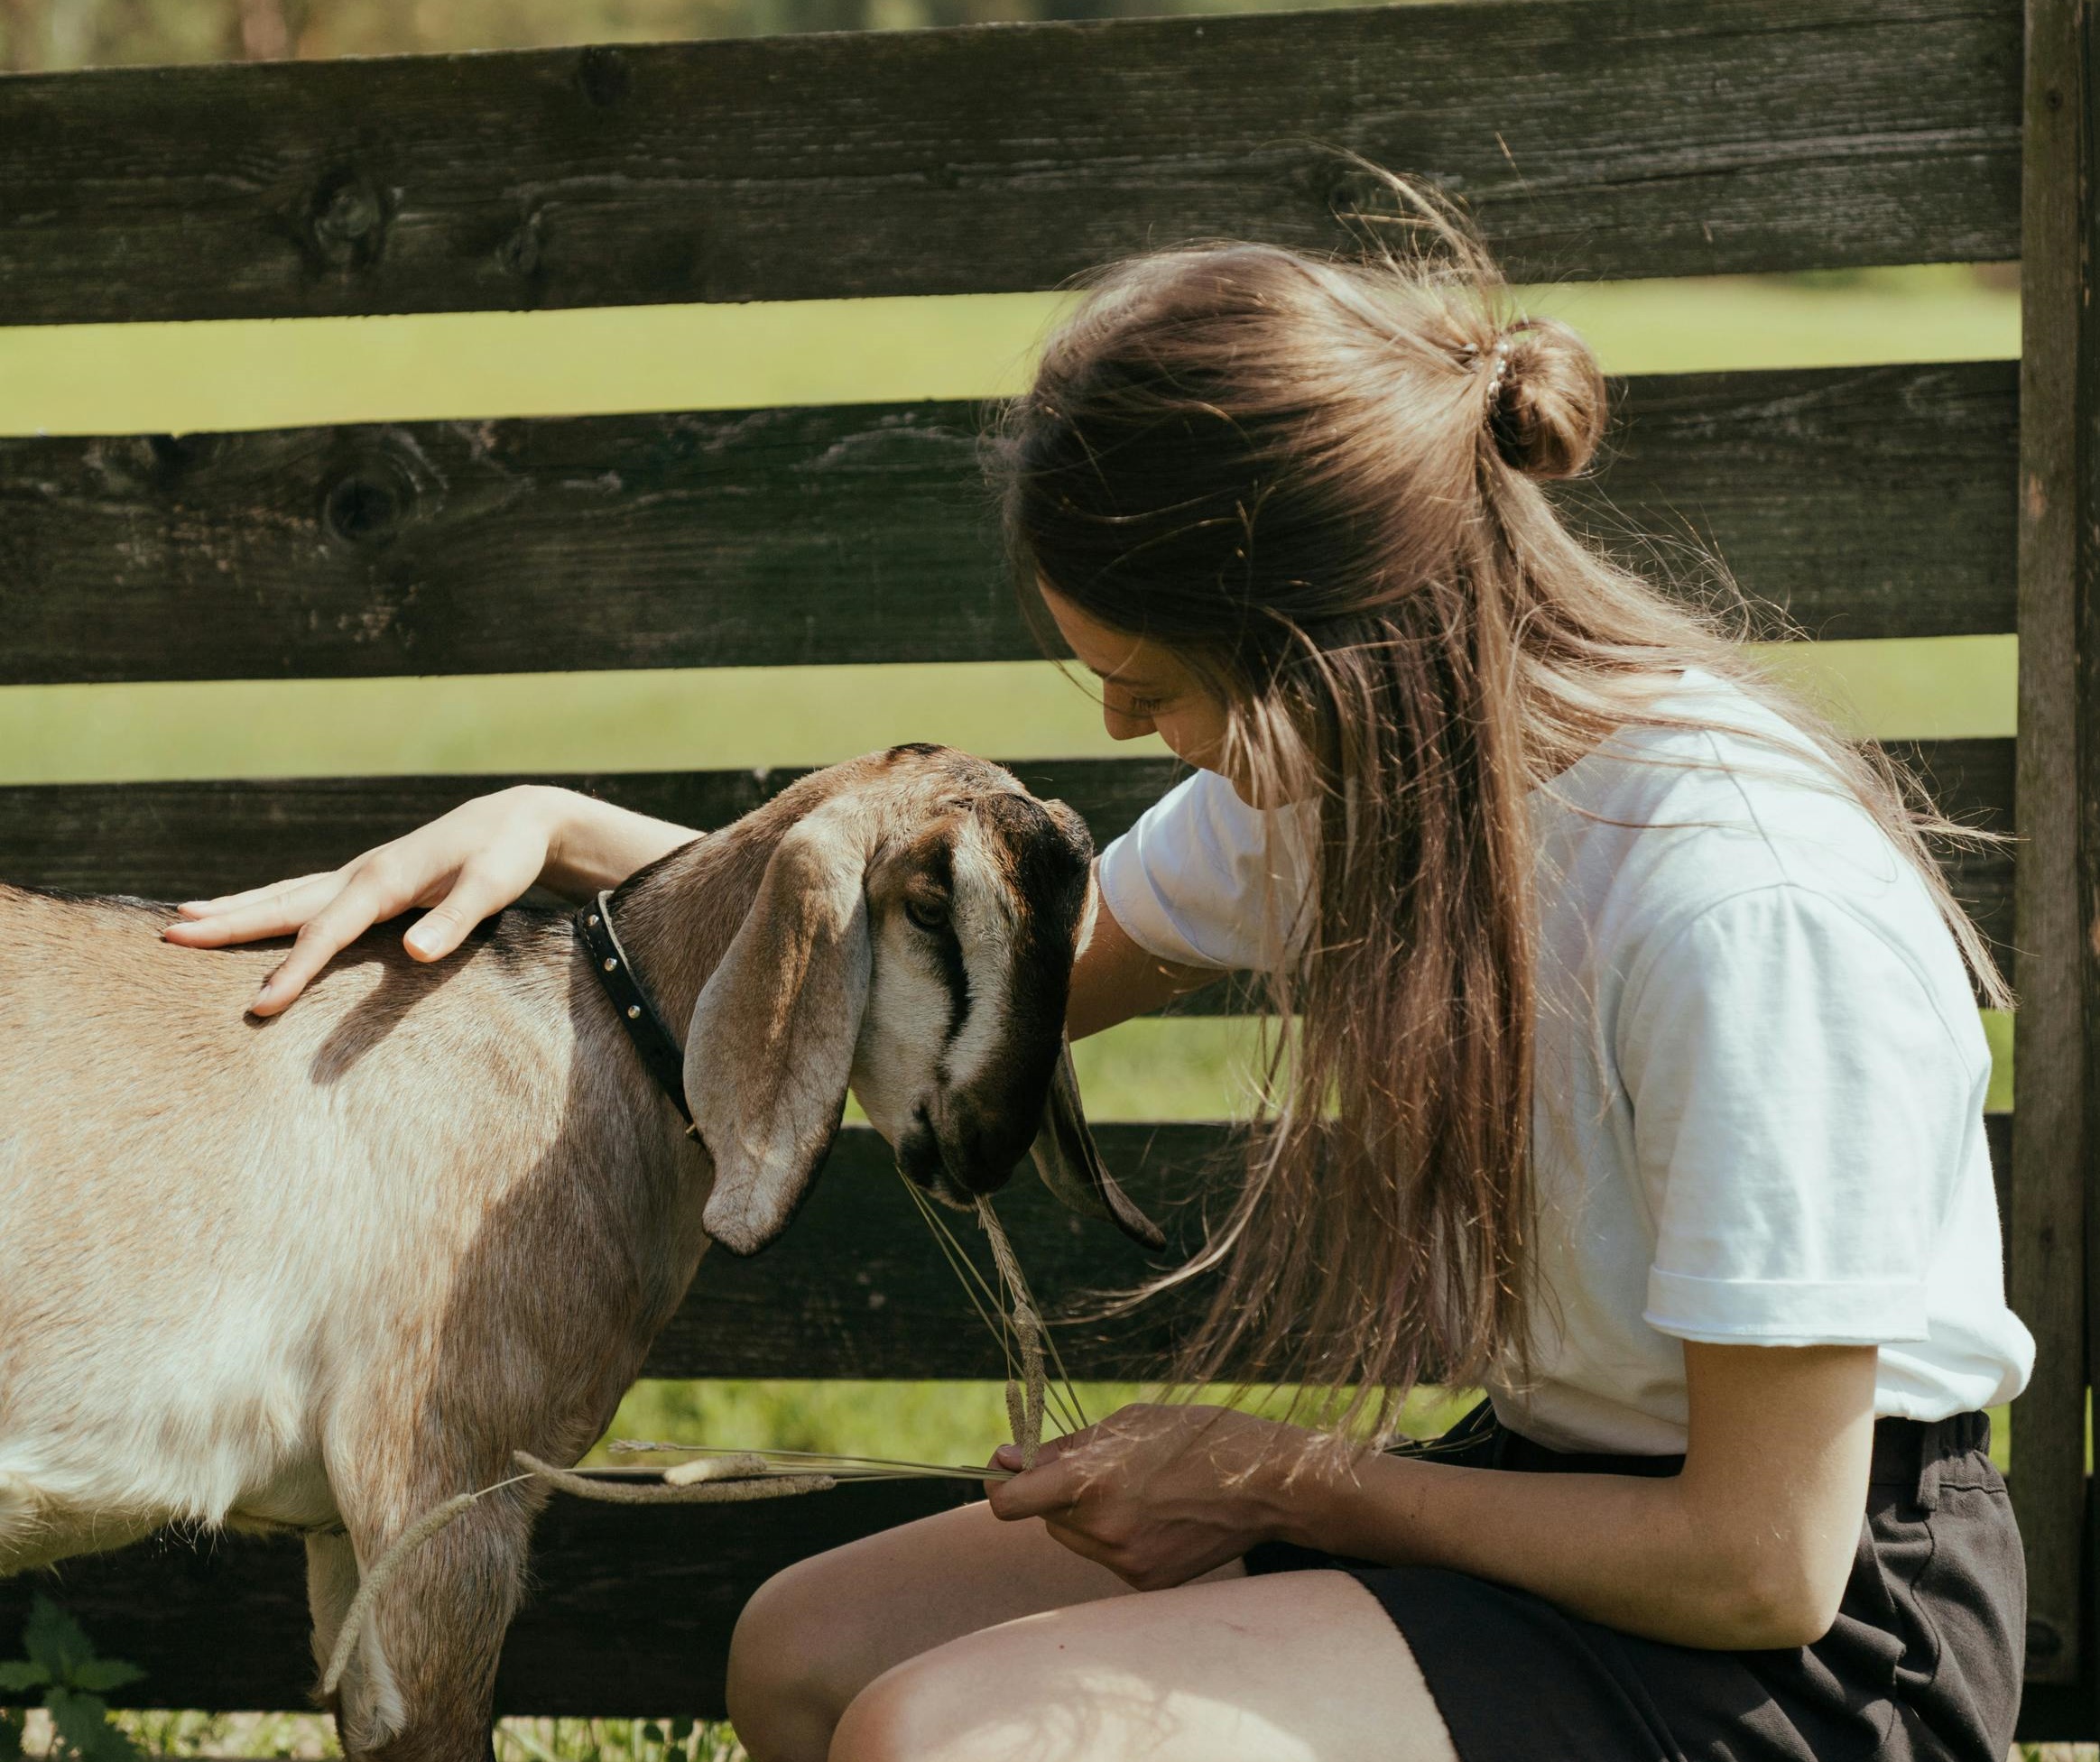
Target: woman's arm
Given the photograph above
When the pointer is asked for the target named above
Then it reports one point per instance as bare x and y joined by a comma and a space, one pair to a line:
1114, 979
461, 867
1749, 1547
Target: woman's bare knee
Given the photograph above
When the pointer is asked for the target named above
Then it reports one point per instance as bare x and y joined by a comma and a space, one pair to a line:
902, 1716
786, 1685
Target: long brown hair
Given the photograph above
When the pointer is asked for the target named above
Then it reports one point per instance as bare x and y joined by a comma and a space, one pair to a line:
1318, 480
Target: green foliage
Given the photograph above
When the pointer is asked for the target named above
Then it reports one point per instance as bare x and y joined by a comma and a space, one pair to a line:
925, 1422
614, 1741
62, 1664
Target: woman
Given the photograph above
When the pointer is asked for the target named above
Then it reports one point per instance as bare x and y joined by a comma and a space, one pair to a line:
1638, 1080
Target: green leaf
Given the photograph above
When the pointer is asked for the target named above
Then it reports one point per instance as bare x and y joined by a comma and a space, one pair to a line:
9, 1737
82, 1721
19, 1675
111, 1745
54, 1639
77, 1718
102, 1674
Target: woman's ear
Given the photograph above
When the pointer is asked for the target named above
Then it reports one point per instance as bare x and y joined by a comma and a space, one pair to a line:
1065, 1156
770, 1048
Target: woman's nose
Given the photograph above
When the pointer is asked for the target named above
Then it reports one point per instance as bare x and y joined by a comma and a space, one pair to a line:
1123, 725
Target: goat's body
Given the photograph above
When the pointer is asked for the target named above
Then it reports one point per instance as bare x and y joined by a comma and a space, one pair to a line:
326, 1271
317, 1255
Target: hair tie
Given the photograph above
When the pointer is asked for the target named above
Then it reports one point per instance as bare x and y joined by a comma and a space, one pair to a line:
1501, 369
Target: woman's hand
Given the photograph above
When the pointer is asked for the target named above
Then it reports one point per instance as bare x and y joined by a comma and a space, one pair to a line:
1161, 1495
462, 867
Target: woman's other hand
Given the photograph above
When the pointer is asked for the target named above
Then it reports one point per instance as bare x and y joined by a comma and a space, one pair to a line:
462, 867
1161, 1495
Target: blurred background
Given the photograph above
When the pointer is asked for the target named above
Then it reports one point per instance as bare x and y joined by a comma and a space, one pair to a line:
120, 378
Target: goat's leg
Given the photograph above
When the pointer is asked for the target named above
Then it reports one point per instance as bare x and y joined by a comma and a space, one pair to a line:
331, 1584
422, 1684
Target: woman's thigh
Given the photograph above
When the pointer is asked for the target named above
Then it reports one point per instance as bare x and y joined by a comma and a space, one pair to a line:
1286, 1667
818, 1634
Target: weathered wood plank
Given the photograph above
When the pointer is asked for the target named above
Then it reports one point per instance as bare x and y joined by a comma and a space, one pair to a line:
1853, 502
631, 1613
1596, 138
858, 1288
185, 840
2055, 1036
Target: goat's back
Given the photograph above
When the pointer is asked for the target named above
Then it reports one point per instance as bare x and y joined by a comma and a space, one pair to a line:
208, 1218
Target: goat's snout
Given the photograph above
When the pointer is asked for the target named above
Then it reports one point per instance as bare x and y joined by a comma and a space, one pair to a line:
967, 1151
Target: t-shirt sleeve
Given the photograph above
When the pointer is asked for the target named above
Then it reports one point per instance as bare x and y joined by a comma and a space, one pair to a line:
1203, 880
1800, 1111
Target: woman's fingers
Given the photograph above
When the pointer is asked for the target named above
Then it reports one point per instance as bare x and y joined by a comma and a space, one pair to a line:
480, 891
1049, 1486
277, 910
254, 896
372, 894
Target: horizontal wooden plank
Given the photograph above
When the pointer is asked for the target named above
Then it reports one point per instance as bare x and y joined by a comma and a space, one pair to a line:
858, 1287
1848, 501
630, 1612
1595, 138
186, 839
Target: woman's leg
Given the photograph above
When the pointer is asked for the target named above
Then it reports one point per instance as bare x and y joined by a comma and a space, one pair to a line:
1286, 1667
818, 1634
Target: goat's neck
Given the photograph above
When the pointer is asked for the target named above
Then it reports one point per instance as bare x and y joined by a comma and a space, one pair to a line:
677, 916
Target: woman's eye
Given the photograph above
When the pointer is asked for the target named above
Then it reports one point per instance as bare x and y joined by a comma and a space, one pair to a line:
927, 914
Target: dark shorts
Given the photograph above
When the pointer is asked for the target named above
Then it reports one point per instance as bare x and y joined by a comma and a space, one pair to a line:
1924, 1660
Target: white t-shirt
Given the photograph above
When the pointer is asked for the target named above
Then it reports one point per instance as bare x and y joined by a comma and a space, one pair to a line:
1760, 1074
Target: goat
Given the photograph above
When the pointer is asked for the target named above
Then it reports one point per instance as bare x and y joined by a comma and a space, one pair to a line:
320, 1272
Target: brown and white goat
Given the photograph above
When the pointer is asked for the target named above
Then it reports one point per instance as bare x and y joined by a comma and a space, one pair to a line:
322, 1271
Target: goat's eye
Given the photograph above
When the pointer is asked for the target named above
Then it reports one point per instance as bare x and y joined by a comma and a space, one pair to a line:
927, 914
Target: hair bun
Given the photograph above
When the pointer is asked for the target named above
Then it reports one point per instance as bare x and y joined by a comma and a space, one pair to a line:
1548, 410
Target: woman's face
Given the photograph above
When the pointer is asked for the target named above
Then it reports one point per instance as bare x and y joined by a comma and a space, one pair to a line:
1145, 688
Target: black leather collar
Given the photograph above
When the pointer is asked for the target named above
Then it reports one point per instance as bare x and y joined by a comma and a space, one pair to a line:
662, 1057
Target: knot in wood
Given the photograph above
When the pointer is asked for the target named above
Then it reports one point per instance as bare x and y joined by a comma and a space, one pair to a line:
1349, 191
347, 221
604, 75
367, 501
519, 254
173, 456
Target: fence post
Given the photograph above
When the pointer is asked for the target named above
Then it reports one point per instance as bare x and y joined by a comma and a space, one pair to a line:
2057, 809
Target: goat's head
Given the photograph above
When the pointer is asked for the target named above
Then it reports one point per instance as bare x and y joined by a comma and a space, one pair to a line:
913, 938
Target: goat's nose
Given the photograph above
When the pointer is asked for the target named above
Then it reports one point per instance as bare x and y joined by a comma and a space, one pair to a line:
982, 1151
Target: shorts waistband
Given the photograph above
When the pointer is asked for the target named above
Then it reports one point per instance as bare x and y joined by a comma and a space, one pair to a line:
1908, 1454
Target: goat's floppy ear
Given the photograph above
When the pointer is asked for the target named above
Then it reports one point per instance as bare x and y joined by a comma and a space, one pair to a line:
770, 1044
1065, 1156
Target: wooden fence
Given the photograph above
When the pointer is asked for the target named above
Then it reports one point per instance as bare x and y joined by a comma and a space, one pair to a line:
1592, 138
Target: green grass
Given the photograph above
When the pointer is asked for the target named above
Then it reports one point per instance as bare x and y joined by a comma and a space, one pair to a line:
284, 372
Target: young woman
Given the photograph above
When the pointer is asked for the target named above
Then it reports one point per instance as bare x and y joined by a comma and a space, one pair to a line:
1638, 1080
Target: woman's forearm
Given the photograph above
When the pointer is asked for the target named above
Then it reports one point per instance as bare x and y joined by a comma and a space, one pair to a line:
1114, 979
593, 845
1633, 1552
